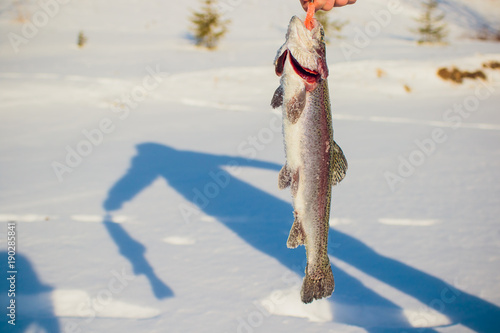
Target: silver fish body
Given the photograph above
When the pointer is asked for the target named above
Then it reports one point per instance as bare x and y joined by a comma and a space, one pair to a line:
314, 162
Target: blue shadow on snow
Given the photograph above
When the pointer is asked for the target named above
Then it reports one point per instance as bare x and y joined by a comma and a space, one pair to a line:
134, 251
33, 304
263, 221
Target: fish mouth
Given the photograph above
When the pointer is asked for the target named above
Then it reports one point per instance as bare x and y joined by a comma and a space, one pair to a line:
308, 75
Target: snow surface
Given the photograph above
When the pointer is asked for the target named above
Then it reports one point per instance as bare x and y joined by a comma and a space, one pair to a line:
173, 222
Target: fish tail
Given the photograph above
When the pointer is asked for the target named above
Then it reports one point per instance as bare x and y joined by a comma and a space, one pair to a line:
317, 286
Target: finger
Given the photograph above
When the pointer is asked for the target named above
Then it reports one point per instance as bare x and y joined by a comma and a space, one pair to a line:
328, 6
340, 3
305, 4
318, 4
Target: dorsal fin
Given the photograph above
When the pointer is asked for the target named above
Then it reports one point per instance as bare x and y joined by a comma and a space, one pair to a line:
339, 164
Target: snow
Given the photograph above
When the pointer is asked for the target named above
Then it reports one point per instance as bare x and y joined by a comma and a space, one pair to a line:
167, 217
68, 303
408, 222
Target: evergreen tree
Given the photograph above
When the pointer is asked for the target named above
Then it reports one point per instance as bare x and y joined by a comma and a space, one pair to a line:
82, 39
207, 25
333, 28
431, 29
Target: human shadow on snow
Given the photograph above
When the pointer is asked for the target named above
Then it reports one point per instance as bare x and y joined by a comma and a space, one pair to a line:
134, 251
263, 221
33, 304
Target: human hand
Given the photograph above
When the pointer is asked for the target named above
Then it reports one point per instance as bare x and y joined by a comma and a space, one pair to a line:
326, 4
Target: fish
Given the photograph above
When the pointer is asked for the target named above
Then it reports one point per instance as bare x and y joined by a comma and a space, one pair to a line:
314, 161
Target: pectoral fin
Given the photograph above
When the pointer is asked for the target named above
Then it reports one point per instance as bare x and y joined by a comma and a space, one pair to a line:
284, 178
295, 106
277, 100
297, 235
339, 163
294, 186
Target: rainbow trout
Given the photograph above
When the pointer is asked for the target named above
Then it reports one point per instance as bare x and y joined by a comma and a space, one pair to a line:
314, 162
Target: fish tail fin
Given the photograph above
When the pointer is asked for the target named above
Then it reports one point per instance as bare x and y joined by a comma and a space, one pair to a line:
318, 285
297, 235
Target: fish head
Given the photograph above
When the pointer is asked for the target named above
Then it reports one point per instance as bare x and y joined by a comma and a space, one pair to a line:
305, 50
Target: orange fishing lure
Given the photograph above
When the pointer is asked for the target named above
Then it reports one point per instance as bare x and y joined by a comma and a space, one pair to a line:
311, 10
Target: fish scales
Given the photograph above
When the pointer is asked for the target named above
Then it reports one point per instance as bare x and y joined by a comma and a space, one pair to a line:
314, 162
